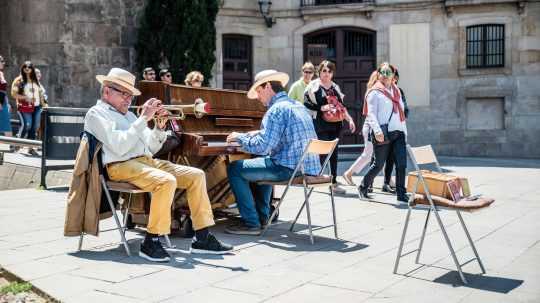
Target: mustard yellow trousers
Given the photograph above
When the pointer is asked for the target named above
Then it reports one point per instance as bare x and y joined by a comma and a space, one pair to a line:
162, 178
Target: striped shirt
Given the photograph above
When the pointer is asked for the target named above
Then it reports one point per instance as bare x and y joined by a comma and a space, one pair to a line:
285, 132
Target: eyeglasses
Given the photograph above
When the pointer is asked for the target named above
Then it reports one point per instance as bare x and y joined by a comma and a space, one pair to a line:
122, 93
327, 71
307, 72
386, 73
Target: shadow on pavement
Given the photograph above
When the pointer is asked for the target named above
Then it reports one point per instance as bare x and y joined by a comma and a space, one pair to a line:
482, 282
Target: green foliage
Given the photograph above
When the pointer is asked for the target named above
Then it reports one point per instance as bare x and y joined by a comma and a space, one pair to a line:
16, 288
178, 34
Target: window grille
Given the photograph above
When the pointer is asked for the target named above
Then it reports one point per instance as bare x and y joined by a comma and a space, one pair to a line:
330, 2
485, 46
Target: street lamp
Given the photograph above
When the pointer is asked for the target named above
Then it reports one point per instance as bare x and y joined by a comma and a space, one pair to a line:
264, 8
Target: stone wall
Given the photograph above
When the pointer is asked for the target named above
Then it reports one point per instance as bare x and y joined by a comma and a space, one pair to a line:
487, 112
73, 40
70, 41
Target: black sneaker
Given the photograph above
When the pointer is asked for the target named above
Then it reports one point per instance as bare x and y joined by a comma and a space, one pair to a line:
243, 229
152, 250
33, 153
403, 198
264, 221
363, 192
210, 246
272, 208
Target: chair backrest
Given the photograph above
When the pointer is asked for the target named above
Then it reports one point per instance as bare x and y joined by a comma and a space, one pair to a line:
423, 155
321, 147
318, 147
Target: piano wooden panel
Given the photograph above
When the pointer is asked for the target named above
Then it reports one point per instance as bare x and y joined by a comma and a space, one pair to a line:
203, 140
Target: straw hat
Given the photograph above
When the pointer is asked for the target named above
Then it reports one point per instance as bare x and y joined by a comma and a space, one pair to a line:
120, 77
267, 76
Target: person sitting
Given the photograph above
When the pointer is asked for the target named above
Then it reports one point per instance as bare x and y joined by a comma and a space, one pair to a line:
194, 79
149, 74
128, 145
165, 76
286, 129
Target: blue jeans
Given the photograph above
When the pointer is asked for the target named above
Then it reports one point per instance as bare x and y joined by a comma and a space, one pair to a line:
30, 123
255, 206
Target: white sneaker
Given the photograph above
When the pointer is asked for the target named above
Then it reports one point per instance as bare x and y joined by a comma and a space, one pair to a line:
338, 189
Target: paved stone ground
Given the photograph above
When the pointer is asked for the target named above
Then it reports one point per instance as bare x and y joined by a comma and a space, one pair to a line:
283, 266
21, 170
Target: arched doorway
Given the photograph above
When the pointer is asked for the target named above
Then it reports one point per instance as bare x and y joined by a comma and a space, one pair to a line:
353, 51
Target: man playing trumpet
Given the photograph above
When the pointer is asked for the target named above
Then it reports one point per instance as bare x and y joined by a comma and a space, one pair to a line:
128, 145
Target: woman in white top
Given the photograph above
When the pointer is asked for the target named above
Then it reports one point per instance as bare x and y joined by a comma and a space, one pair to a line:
386, 119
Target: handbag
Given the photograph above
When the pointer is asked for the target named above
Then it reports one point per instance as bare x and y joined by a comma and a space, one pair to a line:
172, 141
336, 113
384, 130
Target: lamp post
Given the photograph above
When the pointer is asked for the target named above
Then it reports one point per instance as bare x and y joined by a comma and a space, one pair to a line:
264, 8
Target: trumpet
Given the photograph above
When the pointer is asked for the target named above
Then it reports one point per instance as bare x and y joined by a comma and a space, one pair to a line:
199, 108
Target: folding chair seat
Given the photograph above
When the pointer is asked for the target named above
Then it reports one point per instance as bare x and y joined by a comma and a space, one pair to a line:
425, 155
308, 183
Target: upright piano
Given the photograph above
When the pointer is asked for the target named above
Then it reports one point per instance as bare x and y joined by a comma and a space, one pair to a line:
203, 140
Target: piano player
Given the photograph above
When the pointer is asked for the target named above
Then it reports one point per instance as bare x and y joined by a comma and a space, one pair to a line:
285, 131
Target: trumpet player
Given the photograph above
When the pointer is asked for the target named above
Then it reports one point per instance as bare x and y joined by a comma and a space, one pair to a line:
128, 145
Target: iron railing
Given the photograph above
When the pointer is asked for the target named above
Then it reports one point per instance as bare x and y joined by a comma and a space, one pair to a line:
331, 2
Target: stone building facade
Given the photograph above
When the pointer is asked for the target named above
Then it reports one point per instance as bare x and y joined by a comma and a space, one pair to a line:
459, 108
70, 41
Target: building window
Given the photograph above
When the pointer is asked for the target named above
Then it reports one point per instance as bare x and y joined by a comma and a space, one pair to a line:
485, 46
237, 62
329, 2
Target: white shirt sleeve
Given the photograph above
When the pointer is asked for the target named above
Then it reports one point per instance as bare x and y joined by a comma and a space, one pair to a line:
371, 118
118, 141
154, 139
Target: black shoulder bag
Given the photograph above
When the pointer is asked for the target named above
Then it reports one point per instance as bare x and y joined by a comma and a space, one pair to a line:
172, 142
384, 130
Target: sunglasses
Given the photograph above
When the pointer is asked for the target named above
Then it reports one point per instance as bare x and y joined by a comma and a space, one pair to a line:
122, 93
28, 66
386, 73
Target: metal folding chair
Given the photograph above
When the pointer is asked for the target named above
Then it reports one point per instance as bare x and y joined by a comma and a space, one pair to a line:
425, 155
299, 179
123, 187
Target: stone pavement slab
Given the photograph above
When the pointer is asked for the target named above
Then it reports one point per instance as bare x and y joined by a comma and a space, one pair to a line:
283, 266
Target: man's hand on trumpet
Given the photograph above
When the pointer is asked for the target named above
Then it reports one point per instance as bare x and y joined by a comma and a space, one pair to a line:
150, 108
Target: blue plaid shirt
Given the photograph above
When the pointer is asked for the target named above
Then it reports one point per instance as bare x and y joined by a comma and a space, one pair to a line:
285, 132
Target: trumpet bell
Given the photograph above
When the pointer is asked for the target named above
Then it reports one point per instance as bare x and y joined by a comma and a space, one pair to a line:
200, 108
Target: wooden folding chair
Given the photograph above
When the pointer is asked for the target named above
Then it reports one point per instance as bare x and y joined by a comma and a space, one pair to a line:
425, 155
299, 179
